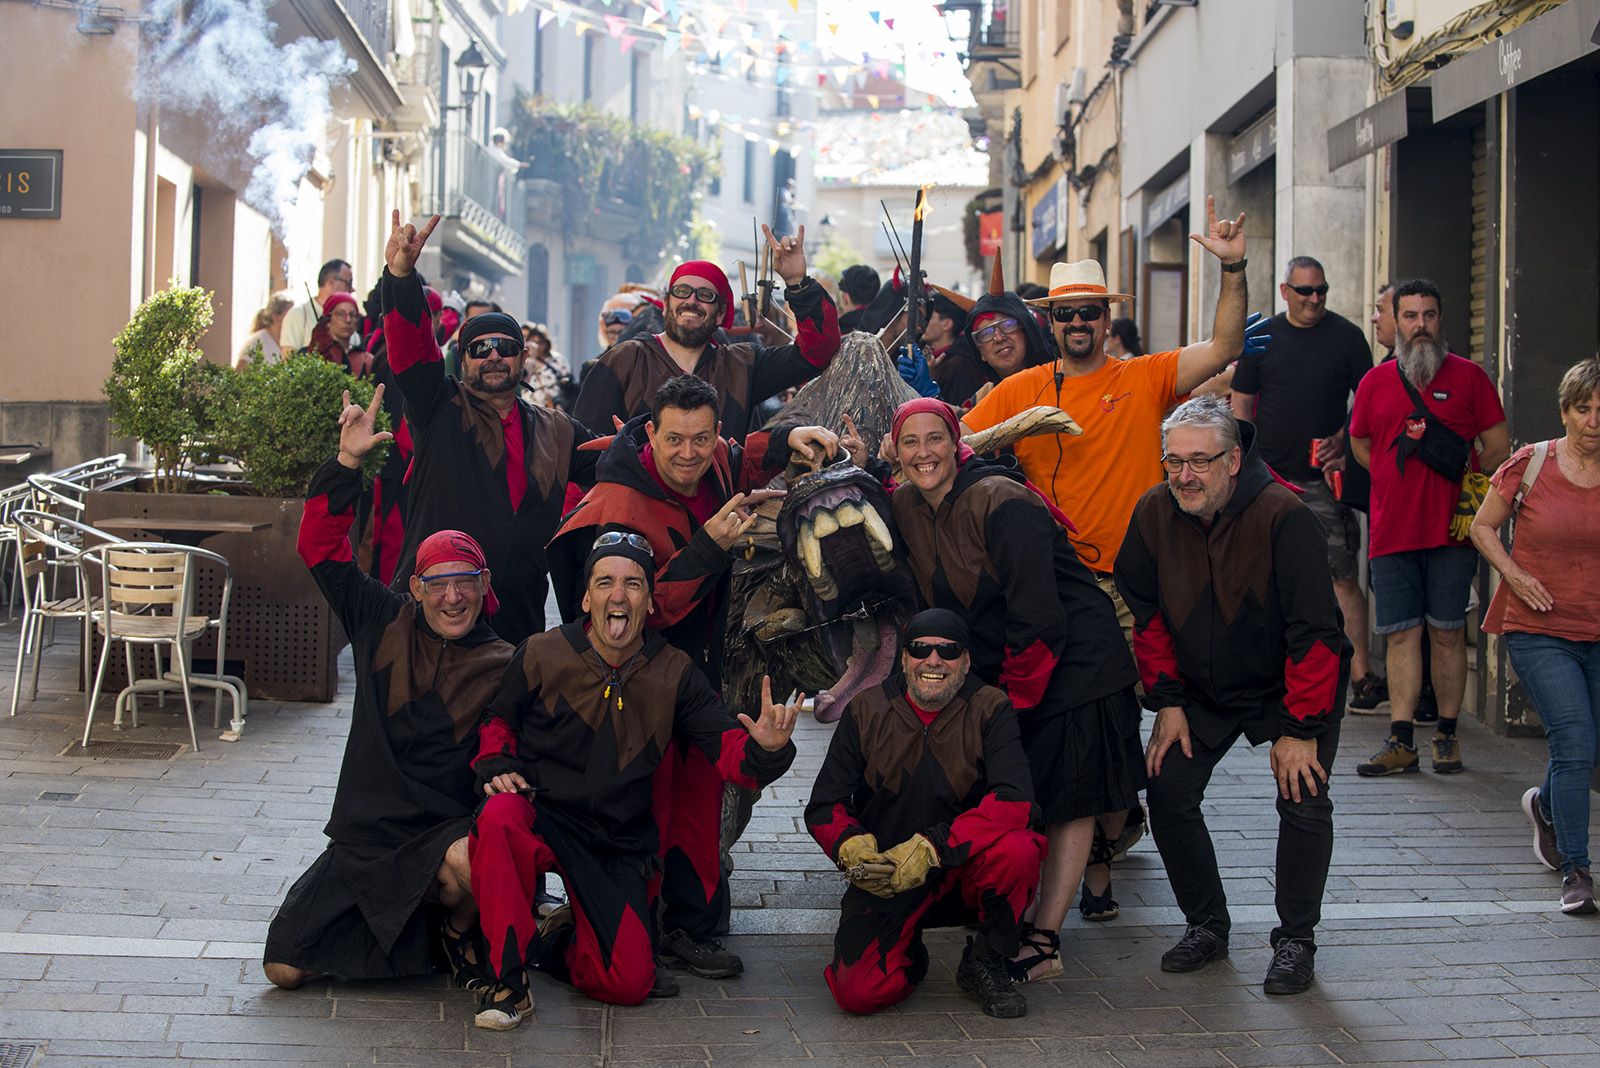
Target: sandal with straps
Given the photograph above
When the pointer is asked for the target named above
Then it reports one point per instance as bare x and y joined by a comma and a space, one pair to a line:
1097, 908
1046, 947
464, 952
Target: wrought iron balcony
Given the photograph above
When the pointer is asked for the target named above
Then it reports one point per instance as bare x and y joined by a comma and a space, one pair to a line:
480, 200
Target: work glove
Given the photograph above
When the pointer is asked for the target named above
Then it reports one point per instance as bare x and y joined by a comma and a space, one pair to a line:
914, 369
1474, 488
864, 866
1256, 338
913, 859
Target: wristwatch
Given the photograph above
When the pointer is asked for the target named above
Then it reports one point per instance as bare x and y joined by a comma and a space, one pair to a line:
1236, 266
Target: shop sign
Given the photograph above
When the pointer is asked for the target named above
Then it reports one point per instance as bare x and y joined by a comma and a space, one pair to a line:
1252, 147
1167, 203
30, 183
1538, 47
1367, 131
1043, 232
991, 224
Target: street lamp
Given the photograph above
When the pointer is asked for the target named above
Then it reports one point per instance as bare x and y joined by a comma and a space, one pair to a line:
470, 66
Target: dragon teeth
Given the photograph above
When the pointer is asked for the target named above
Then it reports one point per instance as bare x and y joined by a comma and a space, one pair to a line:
849, 515
810, 550
877, 530
824, 524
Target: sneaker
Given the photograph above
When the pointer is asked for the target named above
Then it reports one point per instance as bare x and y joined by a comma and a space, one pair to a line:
1544, 832
1446, 754
1577, 892
1392, 759
502, 1007
1198, 947
1292, 967
1367, 693
989, 979
708, 959
665, 985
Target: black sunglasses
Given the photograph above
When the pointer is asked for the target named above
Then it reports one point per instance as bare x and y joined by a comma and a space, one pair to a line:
1308, 291
484, 347
920, 650
1065, 313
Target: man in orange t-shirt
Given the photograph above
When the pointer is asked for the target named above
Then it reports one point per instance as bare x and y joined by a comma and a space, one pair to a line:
1097, 478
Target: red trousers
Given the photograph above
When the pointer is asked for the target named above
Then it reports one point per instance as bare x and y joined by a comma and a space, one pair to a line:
688, 805
610, 956
878, 955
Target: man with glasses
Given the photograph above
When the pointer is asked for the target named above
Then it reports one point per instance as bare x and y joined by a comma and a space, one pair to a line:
1298, 393
394, 877
925, 802
699, 302
1236, 631
486, 462
335, 276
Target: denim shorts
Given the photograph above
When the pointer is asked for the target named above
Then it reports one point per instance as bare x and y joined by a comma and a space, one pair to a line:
1424, 584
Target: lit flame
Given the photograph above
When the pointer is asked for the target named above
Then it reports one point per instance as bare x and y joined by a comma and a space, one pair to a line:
922, 204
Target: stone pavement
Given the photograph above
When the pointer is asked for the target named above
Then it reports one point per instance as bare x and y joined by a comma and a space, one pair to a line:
134, 897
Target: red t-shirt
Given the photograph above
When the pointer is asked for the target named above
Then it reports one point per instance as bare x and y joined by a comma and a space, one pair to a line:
1412, 511
1557, 537
516, 473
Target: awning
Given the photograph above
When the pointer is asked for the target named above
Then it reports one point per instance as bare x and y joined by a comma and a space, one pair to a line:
1552, 40
1367, 130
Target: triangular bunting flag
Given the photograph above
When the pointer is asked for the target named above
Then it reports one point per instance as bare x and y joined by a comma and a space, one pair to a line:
545, 17
615, 24
627, 41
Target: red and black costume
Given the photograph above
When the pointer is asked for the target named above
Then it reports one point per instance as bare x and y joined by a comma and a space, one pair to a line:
588, 738
500, 480
623, 380
1236, 624
690, 598
405, 789
1054, 646
960, 778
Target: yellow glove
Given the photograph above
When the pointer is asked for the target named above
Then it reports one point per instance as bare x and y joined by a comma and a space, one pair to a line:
865, 866
913, 859
857, 850
1474, 488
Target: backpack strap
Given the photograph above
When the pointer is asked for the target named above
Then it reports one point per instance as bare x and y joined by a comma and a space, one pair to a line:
1530, 474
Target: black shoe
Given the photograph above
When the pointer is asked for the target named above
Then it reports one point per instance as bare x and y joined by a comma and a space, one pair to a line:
989, 979
1198, 947
1367, 693
1292, 967
708, 960
665, 985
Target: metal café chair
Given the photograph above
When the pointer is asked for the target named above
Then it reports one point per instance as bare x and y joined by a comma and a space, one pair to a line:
12, 500
57, 495
147, 597
43, 543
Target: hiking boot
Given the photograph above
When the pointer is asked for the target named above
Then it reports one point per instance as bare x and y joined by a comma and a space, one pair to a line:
1198, 947
1577, 892
708, 959
1292, 967
1392, 759
1544, 832
503, 1006
665, 985
989, 979
1367, 693
1446, 754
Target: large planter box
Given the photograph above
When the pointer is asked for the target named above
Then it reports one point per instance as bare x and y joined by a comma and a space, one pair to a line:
282, 636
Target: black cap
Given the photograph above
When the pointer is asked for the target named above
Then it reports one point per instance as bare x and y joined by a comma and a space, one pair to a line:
622, 541
489, 323
938, 623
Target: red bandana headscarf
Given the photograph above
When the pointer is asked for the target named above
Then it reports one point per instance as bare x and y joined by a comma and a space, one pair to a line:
451, 546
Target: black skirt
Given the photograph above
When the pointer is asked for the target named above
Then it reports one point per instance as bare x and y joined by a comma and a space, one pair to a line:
1086, 760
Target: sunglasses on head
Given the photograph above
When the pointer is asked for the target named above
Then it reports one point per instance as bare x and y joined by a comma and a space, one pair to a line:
995, 329
485, 347
683, 291
622, 537
1065, 313
921, 650
1308, 291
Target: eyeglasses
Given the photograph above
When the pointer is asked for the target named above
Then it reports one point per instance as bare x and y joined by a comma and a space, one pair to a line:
622, 537
1198, 464
994, 330
485, 347
344, 314
683, 291
1063, 313
615, 316
920, 650
1311, 291
459, 582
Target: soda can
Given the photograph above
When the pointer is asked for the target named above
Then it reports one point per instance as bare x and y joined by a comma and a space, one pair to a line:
1315, 448
1338, 485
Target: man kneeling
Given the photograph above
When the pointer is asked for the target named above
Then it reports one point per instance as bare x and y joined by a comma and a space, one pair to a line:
567, 754
933, 762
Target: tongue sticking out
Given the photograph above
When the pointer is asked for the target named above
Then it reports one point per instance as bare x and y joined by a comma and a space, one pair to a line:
616, 627
869, 665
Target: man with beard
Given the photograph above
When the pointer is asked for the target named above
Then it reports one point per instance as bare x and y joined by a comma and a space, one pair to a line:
1236, 631
569, 747
699, 301
1298, 394
394, 877
486, 462
1421, 572
929, 766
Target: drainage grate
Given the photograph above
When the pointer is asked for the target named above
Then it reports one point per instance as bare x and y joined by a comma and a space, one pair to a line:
123, 751
57, 795
17, 1054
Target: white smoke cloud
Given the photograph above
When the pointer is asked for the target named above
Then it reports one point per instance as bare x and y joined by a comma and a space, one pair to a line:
221, 62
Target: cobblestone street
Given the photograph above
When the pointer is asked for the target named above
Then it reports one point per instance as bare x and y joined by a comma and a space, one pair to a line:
135, 895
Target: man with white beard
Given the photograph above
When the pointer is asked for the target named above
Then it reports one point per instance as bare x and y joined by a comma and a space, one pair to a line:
1422, 573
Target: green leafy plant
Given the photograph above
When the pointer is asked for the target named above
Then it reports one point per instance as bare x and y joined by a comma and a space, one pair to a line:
282, 421
162, 390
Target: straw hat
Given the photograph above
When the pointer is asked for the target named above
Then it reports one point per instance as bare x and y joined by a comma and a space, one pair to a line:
1074, 281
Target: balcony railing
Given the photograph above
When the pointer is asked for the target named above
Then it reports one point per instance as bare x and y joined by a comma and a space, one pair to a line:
482, 195
371, 20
